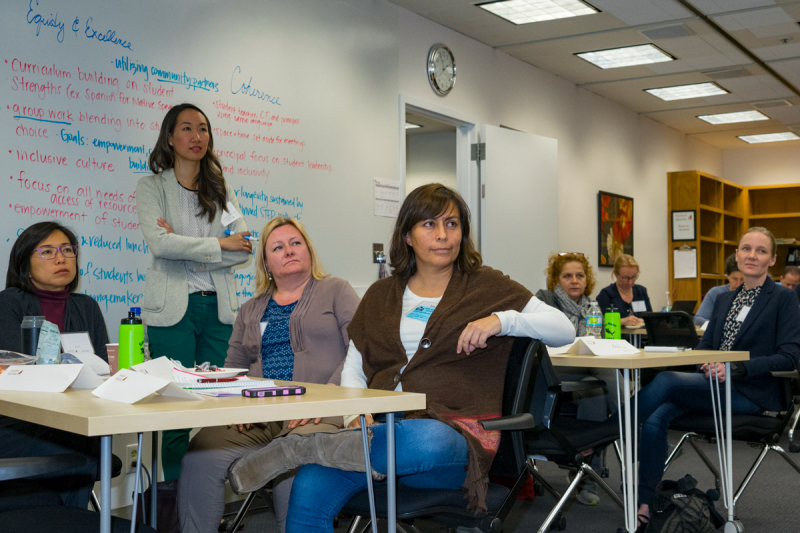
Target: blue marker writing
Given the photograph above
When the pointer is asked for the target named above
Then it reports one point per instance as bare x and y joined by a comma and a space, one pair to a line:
247, 237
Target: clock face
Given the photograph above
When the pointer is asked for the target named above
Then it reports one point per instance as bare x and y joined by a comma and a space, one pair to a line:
441, 69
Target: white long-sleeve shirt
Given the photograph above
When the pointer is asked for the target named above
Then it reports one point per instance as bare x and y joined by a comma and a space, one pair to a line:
537, 321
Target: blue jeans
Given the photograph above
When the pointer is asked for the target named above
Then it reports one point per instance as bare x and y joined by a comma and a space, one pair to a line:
429, 454
670, 395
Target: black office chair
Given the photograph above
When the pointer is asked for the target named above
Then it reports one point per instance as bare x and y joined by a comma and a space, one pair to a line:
449, 507
675, 328
42, 516
559, 439
759, 431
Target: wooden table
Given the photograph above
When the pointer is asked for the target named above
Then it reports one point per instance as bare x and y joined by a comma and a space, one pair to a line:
629, 431
79, 411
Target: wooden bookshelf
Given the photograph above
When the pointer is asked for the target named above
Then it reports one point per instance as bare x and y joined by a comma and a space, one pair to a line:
724, 212
721, 218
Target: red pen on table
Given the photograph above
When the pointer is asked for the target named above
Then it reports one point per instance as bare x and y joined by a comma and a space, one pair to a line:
215, 380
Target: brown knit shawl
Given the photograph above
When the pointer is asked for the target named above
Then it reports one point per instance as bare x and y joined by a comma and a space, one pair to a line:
461, 389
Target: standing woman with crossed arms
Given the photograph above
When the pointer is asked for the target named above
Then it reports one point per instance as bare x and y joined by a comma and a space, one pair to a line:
184, 209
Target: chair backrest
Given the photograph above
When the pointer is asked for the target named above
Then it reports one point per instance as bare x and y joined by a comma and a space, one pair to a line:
511, 458
670, 329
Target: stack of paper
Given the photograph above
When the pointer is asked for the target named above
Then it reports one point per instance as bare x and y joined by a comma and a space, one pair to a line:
48, 378
592, 346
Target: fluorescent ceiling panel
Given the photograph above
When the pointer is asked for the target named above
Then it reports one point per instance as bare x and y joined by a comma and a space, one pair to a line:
643, 54
733, 118
769, 137
527, 11
682, 92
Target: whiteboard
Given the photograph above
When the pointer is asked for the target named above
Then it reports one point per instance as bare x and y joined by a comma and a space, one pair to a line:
301, 97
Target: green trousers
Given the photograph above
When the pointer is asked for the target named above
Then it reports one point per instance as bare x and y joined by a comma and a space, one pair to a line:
198, 337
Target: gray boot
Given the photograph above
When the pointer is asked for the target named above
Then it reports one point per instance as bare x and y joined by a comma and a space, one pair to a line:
342, 449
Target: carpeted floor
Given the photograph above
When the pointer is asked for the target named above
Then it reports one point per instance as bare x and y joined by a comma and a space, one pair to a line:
770, 504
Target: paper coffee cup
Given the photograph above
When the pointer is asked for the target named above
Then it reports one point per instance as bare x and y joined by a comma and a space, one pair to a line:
113, 358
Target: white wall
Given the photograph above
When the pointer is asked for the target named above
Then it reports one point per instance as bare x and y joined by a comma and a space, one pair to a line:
430, 158
762, 165
601, 145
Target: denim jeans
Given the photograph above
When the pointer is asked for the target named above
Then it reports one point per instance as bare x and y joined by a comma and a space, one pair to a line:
429, 454
670, 395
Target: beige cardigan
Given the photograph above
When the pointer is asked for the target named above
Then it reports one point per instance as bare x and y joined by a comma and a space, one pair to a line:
317, 331
166, 289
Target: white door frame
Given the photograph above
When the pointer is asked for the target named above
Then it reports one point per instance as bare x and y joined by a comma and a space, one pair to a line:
466, 134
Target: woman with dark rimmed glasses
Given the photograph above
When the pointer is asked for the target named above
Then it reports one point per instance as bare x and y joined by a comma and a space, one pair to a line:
41, 281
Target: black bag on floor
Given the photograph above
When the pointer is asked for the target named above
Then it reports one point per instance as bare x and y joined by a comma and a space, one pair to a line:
679, 507
167, 500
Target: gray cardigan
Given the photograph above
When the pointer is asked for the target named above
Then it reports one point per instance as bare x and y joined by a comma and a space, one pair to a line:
317, 331
166, 289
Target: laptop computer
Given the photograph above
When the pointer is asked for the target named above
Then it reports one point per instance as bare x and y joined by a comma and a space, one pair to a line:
686, 306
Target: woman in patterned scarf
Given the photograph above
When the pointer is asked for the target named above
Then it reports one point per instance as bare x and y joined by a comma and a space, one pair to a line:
570, 281
760, 317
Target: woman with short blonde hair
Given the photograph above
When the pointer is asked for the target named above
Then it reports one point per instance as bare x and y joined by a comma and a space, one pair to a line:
624, 294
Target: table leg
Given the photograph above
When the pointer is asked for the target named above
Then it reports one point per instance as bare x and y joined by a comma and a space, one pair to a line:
729, 442
105, 484
391, 474
154, 483
134, 519
627, 444
368, 462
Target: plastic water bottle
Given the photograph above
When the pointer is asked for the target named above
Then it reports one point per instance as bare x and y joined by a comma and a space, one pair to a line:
668, 306
594, 321
131, 339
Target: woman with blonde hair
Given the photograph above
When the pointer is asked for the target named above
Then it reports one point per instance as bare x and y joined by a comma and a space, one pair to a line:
294, 329
624, 294
570, 281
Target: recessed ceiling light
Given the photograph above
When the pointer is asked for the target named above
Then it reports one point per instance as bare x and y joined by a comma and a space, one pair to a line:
411, 125
628, 56
527, 11
769, 137
733, 118
681, 92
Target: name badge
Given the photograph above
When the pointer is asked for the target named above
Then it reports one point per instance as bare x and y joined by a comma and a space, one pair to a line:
421, 313
230, 214
263, 327
743, 313
639, 306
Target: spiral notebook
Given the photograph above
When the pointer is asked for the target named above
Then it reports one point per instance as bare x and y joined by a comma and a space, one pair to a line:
228, 388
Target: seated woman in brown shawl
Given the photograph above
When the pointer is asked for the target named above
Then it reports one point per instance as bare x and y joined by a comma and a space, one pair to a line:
442, 324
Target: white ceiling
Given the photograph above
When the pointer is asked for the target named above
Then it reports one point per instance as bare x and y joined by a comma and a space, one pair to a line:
768, 29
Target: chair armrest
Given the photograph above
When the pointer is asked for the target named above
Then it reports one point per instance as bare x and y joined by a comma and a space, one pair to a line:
511, 422
575, 386
22, 467
788, 374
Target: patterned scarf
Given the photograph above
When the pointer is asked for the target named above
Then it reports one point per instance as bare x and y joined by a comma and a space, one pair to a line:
576, 312
732, 324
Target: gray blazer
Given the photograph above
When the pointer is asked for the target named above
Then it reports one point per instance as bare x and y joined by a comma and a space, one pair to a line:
317, 331
166, 289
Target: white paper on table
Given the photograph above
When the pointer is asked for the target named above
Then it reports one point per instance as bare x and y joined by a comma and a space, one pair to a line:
590, 346
160, 367
91, 360
48, 378
130, 387
558, 350
705, 325
685, 263
76, 342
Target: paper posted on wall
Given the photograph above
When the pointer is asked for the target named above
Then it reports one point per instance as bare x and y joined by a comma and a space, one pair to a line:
387, 198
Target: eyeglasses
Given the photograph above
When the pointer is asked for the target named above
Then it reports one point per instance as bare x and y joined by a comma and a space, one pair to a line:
628, 279
48, 253
562, 254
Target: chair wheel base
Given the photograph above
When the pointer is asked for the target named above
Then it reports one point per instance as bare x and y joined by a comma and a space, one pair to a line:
794, 448
538, 489
560, 523
733, 527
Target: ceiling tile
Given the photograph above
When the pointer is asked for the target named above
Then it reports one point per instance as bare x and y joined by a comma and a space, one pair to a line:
643, 11
782, 51
721, 6
753, 19
787, 115
686, 47
773, 30
756, 87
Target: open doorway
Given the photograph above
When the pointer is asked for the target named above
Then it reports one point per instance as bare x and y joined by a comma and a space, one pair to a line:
430, 152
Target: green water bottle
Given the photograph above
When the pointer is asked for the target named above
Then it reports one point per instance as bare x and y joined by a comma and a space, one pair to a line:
131, 339
613, 324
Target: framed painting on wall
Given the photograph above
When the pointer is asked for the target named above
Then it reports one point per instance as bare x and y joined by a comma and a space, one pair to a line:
615, 227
